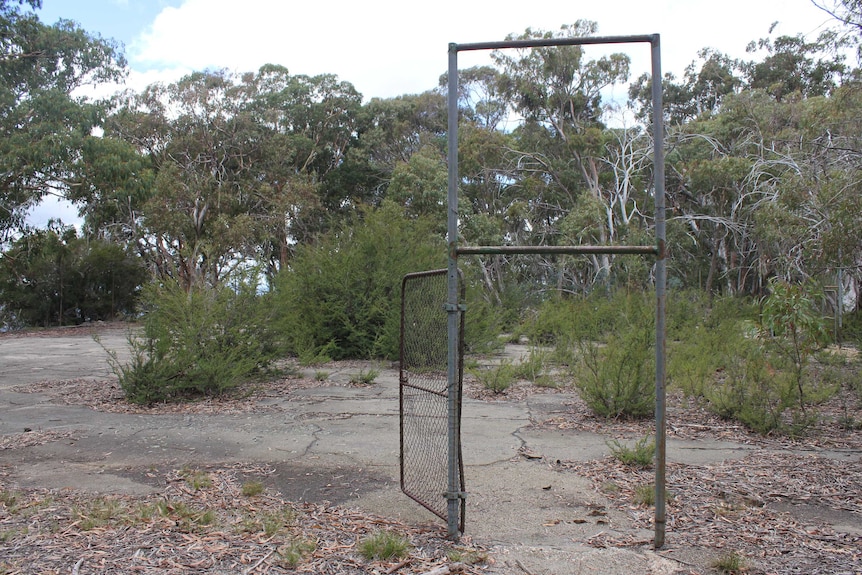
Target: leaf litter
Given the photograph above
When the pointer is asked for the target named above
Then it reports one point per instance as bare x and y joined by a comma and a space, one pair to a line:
210, 526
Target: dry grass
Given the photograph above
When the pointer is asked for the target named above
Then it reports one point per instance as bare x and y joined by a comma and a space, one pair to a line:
205, 528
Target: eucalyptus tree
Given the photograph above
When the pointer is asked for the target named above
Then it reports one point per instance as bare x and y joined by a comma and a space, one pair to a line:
229, 168
389, 133
559, 146
193, 224
707, 80
812, 190
307, 126
793, 65
848, 19
44, 121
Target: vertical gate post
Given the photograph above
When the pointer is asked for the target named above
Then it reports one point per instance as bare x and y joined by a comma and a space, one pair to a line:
453, 494
660, 292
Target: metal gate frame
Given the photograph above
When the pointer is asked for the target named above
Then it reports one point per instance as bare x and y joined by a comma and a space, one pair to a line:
455, 308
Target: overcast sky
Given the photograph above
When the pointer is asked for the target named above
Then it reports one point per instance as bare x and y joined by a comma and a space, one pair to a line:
388, 48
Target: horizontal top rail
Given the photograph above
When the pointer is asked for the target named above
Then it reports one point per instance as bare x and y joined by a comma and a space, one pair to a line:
494, 250
548, 42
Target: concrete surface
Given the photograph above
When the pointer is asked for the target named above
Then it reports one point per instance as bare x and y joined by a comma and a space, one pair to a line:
338, 444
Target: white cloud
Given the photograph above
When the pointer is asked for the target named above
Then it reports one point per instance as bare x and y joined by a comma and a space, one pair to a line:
53, 208
386, 49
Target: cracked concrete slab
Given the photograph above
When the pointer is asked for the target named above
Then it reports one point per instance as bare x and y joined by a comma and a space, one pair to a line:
337, 444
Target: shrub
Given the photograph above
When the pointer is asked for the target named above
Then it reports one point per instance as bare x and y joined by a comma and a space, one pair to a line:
798, 329
204, 342
731, 562
196, 479
534, 367
365, 377
747, 389
751, 374
252, 488
292, 554
498, 378
618, 378
561, 321
342, 294
641, 455
53, 277
645, 494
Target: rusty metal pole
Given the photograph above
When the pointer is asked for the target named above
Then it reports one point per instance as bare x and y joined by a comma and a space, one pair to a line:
661, 295
453, 494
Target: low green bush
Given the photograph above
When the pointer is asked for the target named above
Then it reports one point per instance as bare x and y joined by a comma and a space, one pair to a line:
746, 388
498, 378
617, 378
202, 342
642, 454
534, 367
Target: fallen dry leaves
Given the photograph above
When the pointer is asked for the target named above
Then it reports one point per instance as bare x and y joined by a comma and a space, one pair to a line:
742, 506
202, 522
790, 506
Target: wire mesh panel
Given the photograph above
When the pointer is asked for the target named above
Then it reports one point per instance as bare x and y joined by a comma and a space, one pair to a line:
424, 392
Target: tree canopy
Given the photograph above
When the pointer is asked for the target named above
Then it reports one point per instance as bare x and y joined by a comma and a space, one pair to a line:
223, 174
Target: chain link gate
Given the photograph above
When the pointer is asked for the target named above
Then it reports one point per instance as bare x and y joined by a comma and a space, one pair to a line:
424, 392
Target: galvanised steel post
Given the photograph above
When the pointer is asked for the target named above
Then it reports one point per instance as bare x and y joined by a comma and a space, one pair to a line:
661, 296
453, 495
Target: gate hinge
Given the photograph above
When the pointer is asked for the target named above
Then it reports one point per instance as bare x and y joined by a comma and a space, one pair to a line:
455, 495
455, 307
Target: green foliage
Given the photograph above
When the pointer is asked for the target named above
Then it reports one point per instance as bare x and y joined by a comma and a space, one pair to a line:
252, 488
292, 554
42, 125
100, 512
562, 321
496, 378
204, 342
467, 556
642, 454
342, 295
746, 388
269, 522
53, 277
196, 479
798, 329
608, 344
384, 545
730, 563
534, 368
851, 329
365, 377
188, 518
721, 357
485, 318
701, 338
645, 495
750, 374
617, 378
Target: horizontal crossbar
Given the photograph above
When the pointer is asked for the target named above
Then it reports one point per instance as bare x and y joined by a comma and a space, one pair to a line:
542, 42
505, 250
